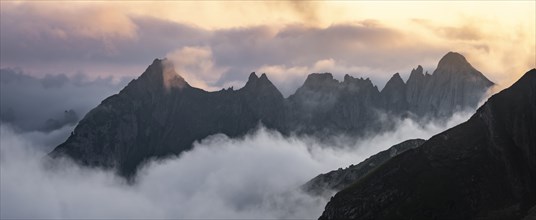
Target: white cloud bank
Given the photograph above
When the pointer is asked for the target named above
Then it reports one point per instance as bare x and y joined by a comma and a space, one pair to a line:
257, 176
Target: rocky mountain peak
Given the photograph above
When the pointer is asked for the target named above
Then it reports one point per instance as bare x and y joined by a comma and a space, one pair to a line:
159, 77
455, 65
395, 82
418, 70
263, 80
416, 74
261, 85
316, 80
348, 78
350, 81
453, 86
394, 94
252, 77
452, 59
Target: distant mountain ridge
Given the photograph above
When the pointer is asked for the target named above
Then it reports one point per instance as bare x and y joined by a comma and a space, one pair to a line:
160, 114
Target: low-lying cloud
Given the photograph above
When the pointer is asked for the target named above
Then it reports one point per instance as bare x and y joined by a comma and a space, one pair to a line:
257, 176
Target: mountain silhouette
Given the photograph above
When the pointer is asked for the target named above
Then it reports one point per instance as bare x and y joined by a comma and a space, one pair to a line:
159, 114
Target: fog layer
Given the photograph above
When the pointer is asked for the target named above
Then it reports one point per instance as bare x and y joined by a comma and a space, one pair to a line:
257, 176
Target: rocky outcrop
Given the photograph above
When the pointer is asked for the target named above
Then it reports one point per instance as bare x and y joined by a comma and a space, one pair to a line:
455, 85
160, 114
484, 168
394, 95
416, 84
336, 180
324, 106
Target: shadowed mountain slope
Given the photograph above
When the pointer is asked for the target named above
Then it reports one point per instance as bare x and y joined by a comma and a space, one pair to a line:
336, 180
484, 168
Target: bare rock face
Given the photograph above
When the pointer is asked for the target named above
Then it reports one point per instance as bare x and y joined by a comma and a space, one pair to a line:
416, 84
394, 95
454, 86
484, 168
160, 114
325, 106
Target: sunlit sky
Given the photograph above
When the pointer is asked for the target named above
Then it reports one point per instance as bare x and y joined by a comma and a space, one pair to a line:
216, 44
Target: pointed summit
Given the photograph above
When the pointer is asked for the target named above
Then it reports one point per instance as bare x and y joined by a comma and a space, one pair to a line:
158, 77
394, 94
261, 86
453, 58
259, 82
455, 65
255, 81
394, 85
395, 80
415, 85
416, 73
418, 70
453, 86
264, 78
252, 77
252, 80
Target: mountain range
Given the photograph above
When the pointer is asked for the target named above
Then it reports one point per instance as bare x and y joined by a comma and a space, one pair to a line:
159, 114
484, 168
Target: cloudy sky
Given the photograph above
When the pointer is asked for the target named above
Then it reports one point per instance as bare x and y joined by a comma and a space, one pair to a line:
217, 44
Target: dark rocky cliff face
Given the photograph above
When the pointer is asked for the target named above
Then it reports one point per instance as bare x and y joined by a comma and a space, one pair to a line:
484, 168
160, 114
336, 180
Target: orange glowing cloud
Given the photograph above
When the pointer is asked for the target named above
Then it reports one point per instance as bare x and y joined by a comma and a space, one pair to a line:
377, 38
